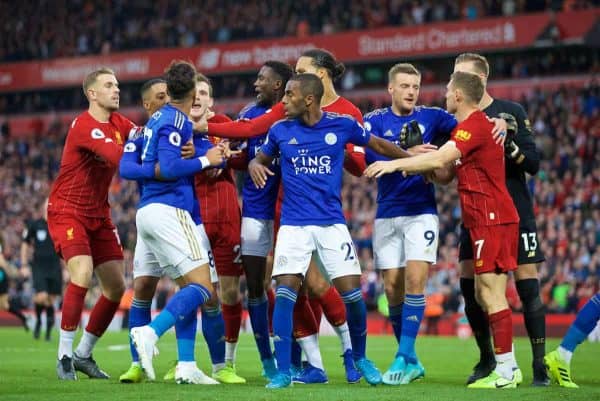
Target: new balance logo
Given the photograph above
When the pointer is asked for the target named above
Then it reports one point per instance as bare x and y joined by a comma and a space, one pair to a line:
413, 318
293, 141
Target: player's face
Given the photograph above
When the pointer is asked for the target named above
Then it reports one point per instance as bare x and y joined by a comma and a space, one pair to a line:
293, 101
157, 97
265, 85
450, 98
203, 101
404, 89
105, 92
305, 65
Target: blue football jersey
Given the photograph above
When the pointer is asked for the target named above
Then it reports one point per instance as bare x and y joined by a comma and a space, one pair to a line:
398, 195
312, 164
259, 203
165, 133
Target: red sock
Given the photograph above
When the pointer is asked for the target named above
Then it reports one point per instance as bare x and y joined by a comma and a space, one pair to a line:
232, 315
501, 323
72, 306
271, 297
304, 320
101, 316
333, 306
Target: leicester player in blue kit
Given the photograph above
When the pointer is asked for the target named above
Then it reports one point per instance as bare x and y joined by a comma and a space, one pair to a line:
310, 145
174, 238
258, 211
405, 237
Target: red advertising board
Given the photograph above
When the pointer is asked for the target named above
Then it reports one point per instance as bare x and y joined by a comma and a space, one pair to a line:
406, 42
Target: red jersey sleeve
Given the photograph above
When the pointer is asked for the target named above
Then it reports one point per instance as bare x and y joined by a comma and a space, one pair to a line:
96, 141
355, 162
248, 128
466, 142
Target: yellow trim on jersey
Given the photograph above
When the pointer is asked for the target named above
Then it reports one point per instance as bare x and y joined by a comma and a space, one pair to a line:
189, 235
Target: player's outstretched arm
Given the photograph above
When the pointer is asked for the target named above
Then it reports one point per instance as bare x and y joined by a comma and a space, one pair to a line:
96, 142
259, 170
242, 129
386, 148
416, 164
354, 161
131, 167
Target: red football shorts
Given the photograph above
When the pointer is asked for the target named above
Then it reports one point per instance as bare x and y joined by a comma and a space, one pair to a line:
79, 235
225, 243
495, 248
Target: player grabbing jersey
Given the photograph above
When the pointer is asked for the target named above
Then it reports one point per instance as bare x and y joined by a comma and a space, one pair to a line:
174, 239
486, 208
310, 145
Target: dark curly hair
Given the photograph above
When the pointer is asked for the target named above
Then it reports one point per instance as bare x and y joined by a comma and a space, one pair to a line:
181, 79
324, 59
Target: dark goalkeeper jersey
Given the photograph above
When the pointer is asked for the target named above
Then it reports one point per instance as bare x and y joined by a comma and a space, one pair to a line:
515, 173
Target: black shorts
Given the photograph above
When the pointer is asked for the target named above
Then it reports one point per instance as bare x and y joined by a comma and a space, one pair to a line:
529, 247
3, 282
47, 279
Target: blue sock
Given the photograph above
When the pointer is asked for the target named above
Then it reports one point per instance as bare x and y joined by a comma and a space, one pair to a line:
258, 309
185, 302
185, 333
584, 323
139, 315
412, 314
296, 356
213, 329
396, 320
356, 315
285, 299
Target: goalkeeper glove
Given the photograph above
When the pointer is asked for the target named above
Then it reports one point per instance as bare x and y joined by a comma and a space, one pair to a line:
411, 135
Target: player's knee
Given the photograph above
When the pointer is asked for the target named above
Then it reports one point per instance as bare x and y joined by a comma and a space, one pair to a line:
144, 288
115, 291
318, 288
415, 283
230, 295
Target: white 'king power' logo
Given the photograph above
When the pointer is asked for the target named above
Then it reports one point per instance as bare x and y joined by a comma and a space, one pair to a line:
306, 164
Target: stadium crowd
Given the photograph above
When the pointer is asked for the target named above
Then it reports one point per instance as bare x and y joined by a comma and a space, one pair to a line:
50, 29
566, 192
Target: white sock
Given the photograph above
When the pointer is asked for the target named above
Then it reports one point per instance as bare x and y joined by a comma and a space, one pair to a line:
135, 364
343, 333
310, 346
187, 364
86, 344
504, 365
230, 351
65, 343
217, 366
565, 354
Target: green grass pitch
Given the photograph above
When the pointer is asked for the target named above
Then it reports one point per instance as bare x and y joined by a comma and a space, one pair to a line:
27, 372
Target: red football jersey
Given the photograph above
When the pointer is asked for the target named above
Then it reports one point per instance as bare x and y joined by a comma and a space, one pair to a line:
89, 161
484, 199
217, 196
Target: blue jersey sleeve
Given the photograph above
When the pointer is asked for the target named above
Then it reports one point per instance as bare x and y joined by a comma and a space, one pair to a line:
445, 125
271, 147
131, 167
358, 135
172, 166
202, 145
374, 128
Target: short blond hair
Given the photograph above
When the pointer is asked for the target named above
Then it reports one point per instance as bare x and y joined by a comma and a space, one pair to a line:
402, 68
200, 77
479, 62
91, 78
471, 85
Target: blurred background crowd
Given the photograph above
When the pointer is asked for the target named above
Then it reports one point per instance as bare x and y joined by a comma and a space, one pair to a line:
566, 121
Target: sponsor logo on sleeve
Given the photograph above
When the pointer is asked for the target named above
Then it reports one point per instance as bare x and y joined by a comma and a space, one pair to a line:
462, 135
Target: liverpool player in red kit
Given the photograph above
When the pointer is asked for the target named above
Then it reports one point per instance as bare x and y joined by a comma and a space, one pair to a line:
79, 221
219, 206
487, 209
